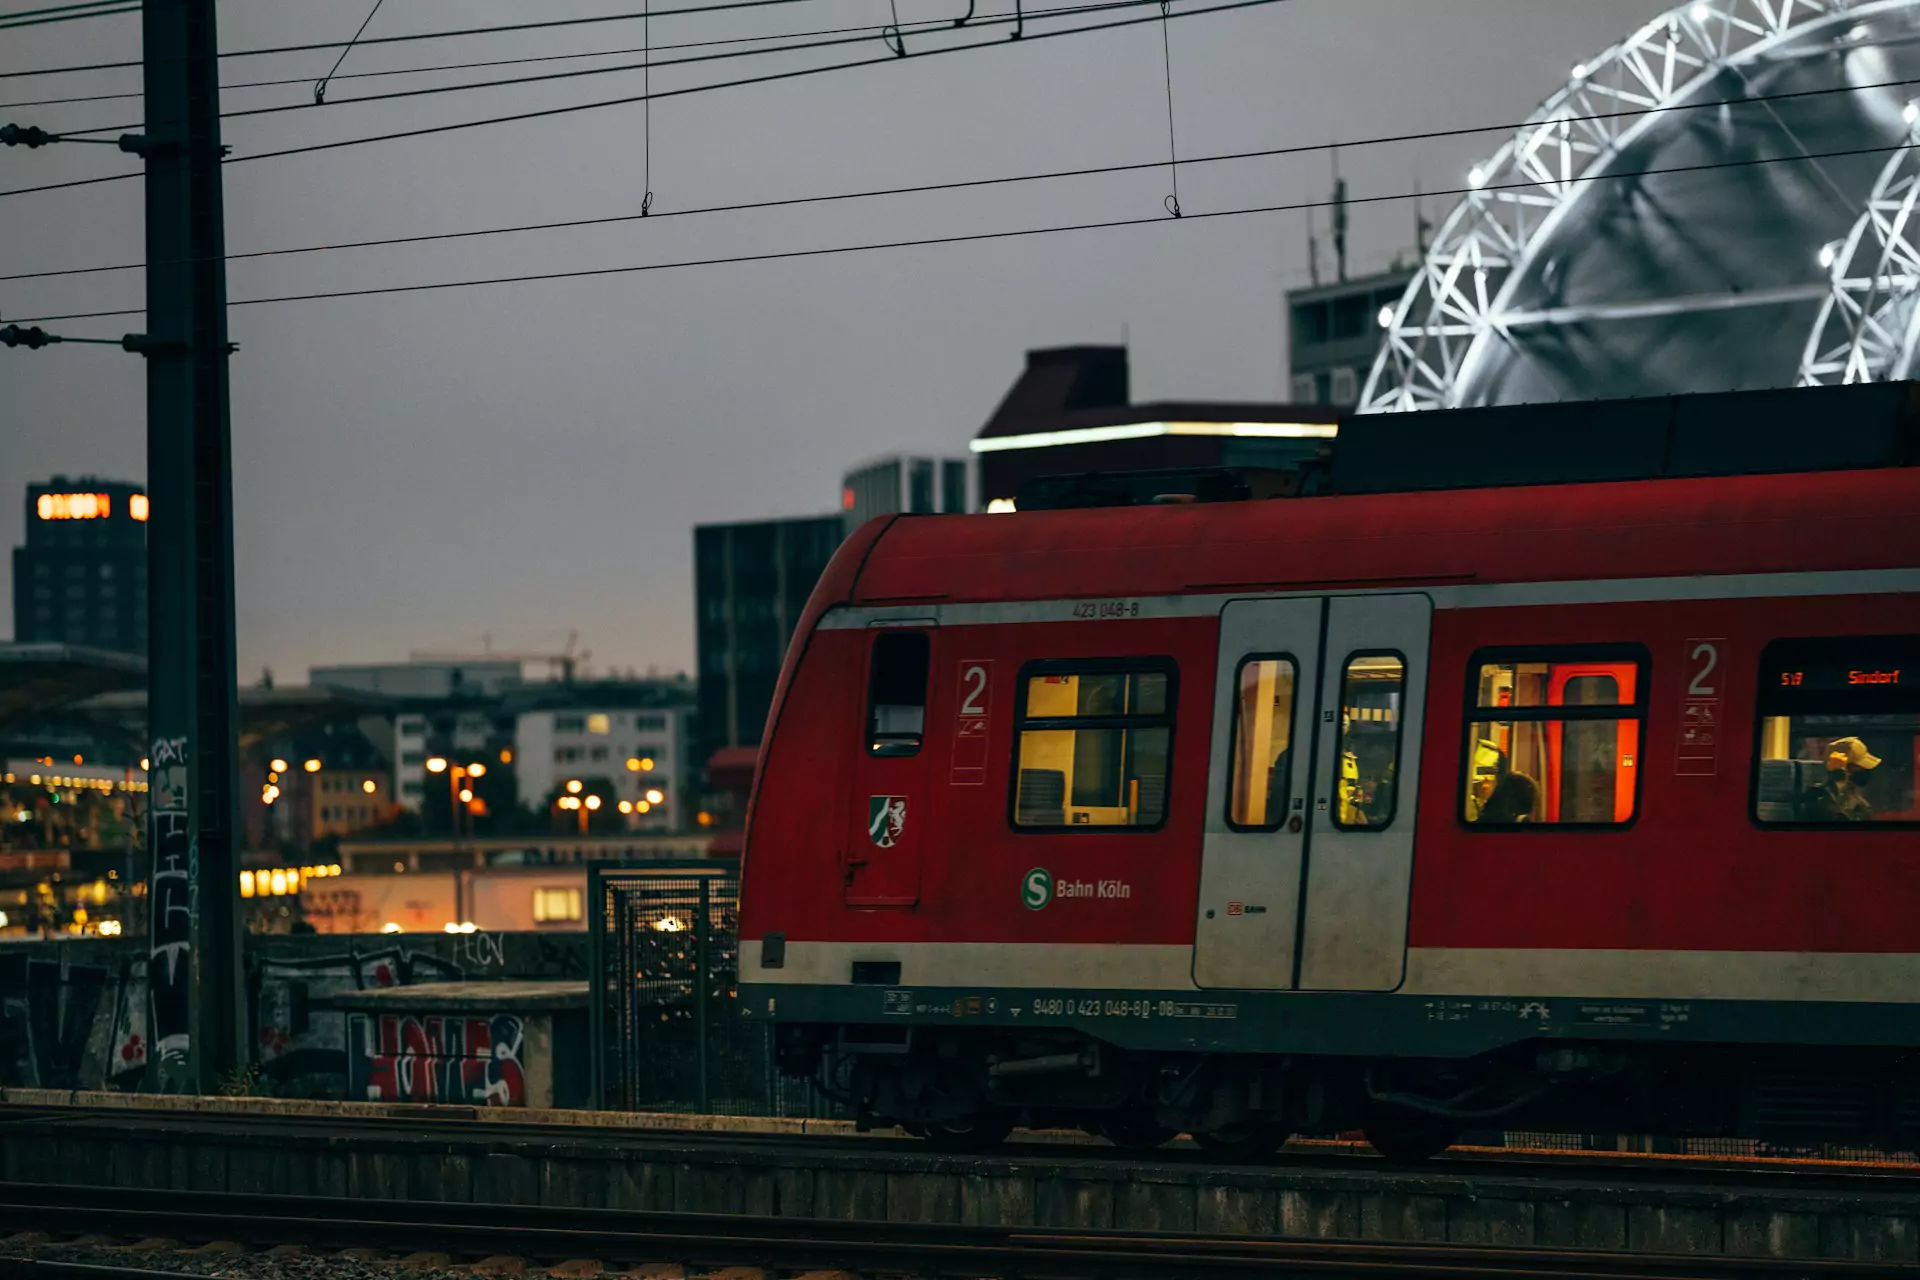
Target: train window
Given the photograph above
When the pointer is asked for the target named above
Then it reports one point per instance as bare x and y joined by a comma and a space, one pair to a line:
1372, 693
897, 693
1839, 732
1553, 738
1262, 744
1094, 744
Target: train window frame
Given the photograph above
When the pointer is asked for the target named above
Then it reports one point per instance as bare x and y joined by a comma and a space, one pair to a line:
1233, 741
896, 745
1767, 696
1147, 664
1340, 741
1563, 654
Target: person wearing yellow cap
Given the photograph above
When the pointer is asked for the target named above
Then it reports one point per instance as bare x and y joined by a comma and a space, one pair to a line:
1842, 798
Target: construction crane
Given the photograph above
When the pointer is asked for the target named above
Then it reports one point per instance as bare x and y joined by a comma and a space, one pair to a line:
563, 662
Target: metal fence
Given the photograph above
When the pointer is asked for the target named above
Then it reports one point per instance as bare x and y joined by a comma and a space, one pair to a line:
664, 960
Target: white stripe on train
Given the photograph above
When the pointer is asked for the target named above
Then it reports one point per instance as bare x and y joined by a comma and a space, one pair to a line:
1431, 971
1497, 595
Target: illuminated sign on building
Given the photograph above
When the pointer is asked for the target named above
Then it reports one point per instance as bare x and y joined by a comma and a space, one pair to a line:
74, 506
87, 506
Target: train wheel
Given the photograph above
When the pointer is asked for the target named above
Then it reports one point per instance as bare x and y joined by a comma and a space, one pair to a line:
981, 1131
1410, 1139
1134, 1130
1249, 1141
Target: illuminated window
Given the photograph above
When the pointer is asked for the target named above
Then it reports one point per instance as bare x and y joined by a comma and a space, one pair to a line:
1262, 744
1554, 737
556, 904
1093, 744
897, 693
137, 506
599, 723
1839, 732
1372, 708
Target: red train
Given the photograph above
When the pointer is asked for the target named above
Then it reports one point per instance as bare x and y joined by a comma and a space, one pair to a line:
1589, 806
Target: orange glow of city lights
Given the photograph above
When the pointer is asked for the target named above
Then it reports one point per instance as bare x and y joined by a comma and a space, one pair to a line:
73, 506
137, 507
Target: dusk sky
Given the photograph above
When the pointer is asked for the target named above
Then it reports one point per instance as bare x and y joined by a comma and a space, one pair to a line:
415, 471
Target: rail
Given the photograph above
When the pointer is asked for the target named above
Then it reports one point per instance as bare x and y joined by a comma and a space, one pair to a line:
620, 1237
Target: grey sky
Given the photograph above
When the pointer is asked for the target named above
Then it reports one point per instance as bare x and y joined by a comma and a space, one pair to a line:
412, 472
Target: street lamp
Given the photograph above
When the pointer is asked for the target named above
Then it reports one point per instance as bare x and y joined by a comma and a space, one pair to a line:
437, 765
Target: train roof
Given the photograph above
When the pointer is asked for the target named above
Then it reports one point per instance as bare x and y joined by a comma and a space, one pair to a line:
1661, 529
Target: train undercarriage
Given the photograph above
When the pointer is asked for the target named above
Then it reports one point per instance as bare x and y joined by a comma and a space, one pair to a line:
968, 1090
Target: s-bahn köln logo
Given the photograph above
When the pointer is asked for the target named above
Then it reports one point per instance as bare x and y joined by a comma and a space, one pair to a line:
886, 820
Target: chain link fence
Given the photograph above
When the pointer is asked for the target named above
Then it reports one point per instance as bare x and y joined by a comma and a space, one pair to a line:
664, 955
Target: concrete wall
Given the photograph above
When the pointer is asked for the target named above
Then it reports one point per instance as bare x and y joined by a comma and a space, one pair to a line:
73, 1015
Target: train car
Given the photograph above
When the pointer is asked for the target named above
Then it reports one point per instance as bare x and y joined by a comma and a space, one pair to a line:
1583, 805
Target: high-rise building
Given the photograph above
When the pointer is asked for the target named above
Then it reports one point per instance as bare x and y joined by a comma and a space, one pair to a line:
903, 483
750, 581
1334, 333
81, 578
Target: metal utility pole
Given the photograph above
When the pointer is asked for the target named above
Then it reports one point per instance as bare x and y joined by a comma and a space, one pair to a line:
195, 1034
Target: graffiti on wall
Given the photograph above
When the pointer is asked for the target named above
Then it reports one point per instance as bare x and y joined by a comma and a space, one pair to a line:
78, 1015
47, 1012
169, 957
407, 1058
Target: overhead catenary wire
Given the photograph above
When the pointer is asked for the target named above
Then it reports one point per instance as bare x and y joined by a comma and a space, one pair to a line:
81, 6
605, 103
320, 85
977, 237
412, 37
644, 97
8, 21
962, 184
869, 30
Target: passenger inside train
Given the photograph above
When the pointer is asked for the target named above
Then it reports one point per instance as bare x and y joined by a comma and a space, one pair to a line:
1564, 748
1839, 732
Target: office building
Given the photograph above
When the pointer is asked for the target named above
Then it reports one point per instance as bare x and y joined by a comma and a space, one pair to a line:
751, 581
450, 705
81, 578
904, 483
1070, 413
1334, 332
625, 743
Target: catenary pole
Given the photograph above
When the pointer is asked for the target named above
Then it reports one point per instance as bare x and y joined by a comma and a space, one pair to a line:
194, 974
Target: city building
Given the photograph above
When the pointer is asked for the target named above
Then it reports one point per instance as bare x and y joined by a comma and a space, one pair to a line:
1334, 332
750, 582
608, 753
903, 482
1069, 413
453, 701
423, 678
81, 577
321, 782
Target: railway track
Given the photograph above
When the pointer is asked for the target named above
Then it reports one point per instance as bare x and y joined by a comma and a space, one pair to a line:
617, 1239
463, 1125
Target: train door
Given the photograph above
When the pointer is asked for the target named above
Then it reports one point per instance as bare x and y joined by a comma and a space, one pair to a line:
888, 804
1256, 828
1365, 793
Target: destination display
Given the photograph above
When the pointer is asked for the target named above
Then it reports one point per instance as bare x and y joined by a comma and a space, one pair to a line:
1890, 665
